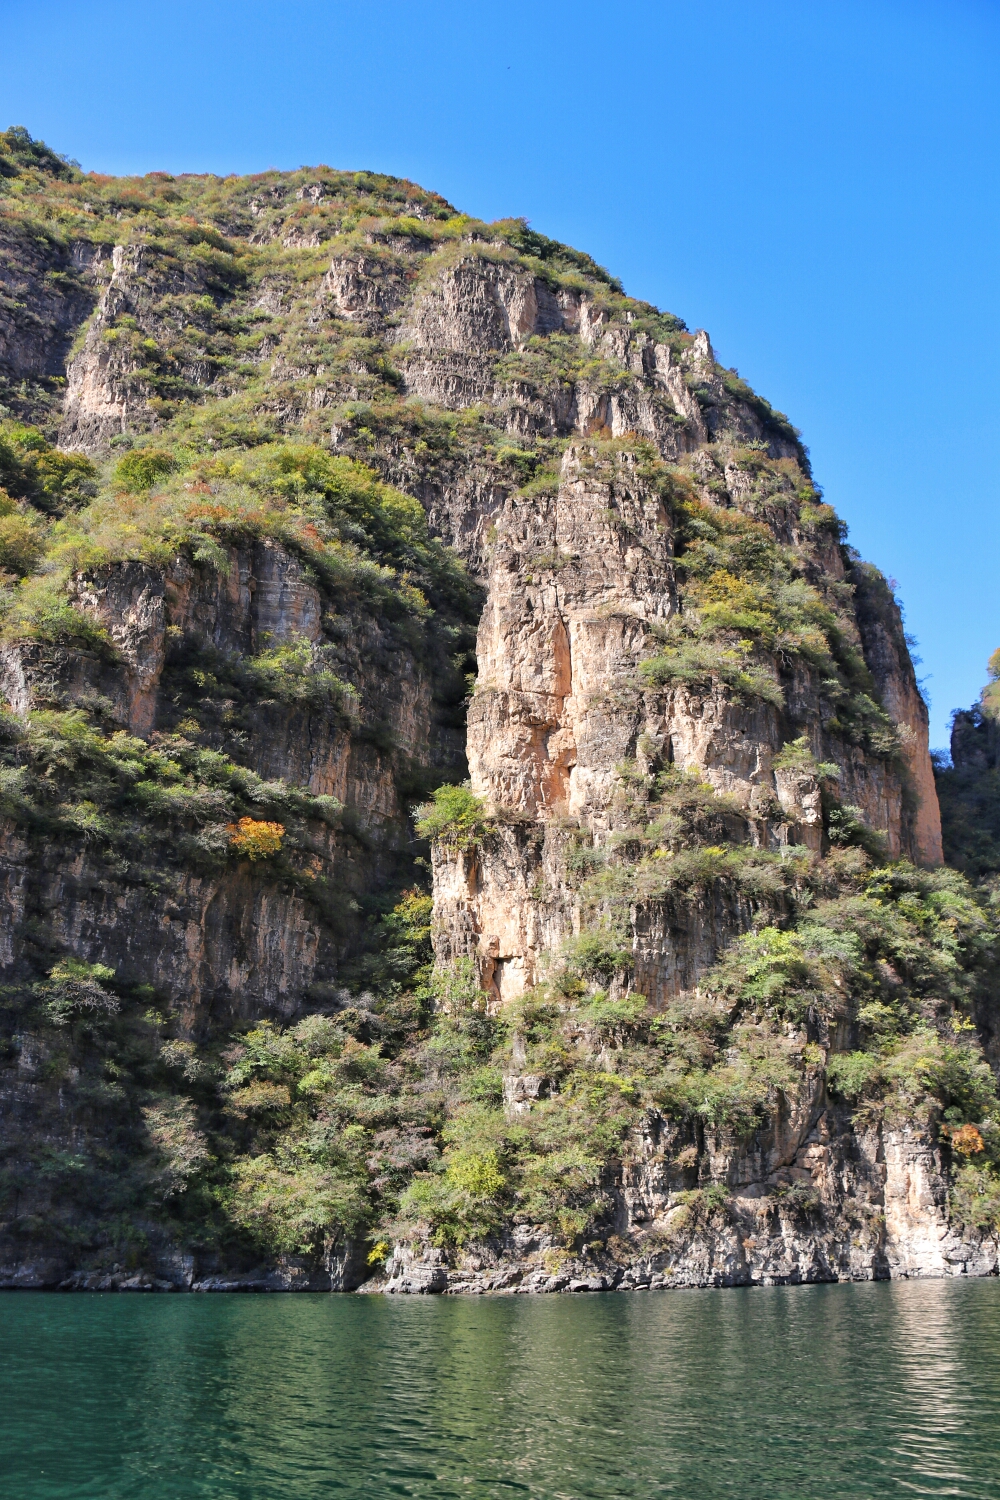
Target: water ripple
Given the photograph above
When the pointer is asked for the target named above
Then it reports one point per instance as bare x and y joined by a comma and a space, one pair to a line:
837, 1393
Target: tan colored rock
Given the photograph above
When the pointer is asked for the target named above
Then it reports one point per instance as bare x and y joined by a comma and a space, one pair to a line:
578, 583
100, 399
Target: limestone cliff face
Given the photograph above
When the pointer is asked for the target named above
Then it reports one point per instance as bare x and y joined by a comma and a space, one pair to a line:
48, 290
888, 658
817, 1203
580, 581
228, 942
665, 609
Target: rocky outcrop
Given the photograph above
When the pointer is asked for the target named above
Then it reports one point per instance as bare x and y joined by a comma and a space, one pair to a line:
107, 392
580, 583
815, 1203
888, 658
48, 290
975, 741
341, 1271
227, 943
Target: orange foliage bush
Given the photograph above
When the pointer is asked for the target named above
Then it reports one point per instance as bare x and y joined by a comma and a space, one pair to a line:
967, 1140
255, 840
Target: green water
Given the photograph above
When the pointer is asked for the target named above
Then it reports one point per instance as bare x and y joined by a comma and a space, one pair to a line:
780, 1394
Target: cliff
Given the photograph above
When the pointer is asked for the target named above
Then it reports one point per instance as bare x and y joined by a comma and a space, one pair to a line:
969, 788
350, 542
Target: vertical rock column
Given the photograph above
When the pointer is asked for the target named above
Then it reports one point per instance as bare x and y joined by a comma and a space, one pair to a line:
575, 581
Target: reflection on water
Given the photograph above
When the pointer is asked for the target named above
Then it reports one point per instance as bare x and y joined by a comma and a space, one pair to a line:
841, 1392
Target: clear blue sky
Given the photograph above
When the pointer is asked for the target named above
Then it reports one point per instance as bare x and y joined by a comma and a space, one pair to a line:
816, 184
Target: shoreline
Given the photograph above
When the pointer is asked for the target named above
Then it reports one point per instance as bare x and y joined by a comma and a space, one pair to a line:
500, 1284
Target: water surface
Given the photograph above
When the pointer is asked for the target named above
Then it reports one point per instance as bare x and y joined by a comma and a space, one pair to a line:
764, 1394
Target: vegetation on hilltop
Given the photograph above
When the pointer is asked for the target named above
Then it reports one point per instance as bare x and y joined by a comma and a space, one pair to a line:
21, 156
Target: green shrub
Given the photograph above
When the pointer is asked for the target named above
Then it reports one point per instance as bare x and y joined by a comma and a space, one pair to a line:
773, 963
846, 827
700, 1206
454, 987
476, 1173
32, 469
802, 1198
76, 989
141, 468
863, 722
362, 538
22, 540
990, 696
397, 955
560, 1187
615, 1018
293, 672
464, 1199
167, 801
797, 756
738, 1094
39, 610
19, 153
455, 817
672, 809
851, 1073
742, 591
699, 662
485, 1086
598, 953
291, 1205
181, 1150
975, 1200
957, 1077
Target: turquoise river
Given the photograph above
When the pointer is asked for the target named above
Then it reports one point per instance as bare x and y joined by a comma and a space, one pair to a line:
790, 1393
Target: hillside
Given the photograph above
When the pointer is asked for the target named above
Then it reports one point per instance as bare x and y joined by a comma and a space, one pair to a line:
467, 820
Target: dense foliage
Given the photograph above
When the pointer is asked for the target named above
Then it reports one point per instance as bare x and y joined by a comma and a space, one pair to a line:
385, 1118
753, 608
